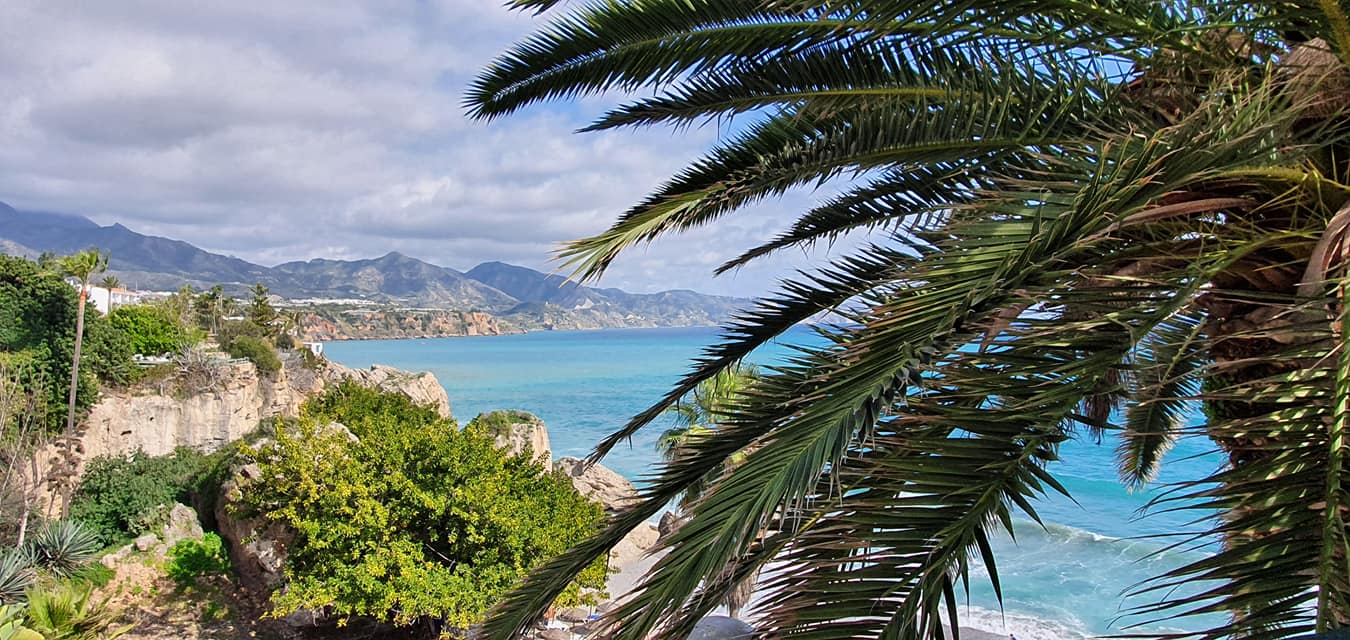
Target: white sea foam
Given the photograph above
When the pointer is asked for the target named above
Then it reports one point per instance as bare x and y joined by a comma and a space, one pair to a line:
1021, 626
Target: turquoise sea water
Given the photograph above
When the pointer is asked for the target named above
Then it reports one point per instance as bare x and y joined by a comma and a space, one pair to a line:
1063, 581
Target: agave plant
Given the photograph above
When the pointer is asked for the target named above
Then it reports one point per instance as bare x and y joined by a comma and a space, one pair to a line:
63, 547
68, 612
16, 575
1083, 217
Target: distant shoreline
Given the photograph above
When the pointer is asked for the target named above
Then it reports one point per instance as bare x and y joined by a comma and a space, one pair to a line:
508, 333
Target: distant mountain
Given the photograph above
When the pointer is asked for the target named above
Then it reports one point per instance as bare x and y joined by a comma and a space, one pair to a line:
523, 298
680, 308
393, 276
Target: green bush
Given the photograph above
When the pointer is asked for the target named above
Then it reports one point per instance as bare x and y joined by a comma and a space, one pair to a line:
149, 330
122, 497
257, 351
189, 559
416, 520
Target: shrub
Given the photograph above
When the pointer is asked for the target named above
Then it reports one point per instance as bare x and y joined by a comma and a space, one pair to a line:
416, 520
189, 559
122, 497
257, 351
66, 611
16, 576
149, 330
63, 547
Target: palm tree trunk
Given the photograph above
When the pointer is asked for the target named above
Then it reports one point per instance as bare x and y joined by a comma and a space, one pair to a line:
75, 362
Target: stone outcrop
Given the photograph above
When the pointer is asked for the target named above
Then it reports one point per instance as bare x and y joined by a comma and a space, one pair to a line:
513, 431
257, 547
598, 483
157, 423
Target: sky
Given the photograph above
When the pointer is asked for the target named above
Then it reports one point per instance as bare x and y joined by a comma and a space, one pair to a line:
288, 130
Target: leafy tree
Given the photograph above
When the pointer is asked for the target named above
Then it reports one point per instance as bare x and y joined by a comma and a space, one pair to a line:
149, 329
1069, 208
406, 516
82, 266
37, 316
255, 350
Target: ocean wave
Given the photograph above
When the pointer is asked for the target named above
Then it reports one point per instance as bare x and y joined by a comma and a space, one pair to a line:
1023, 627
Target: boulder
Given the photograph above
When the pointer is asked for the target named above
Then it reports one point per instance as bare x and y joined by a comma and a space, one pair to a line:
598, 483
555, 634
670, 521
721, 628
146, 542
257, 547
634, 546
182, 525
513, 431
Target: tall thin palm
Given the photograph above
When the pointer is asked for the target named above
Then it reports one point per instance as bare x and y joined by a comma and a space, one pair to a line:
1070, 208
81, 266
698, 414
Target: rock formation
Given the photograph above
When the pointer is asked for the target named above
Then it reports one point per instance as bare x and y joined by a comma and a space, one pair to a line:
513, 431
598, 483
257, 547
157, 423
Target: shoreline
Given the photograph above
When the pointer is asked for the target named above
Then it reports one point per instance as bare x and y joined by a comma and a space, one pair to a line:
507, 333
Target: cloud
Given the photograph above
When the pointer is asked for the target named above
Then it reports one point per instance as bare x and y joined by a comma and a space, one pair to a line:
278, 131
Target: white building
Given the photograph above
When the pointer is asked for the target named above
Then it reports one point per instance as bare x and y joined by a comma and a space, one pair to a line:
105, 300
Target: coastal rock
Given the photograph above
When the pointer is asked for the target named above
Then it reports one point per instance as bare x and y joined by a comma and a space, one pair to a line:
157, 421
146, 542
721, 628
257, 547
634, 546
513, 431
598, 483
422, 387
670, 521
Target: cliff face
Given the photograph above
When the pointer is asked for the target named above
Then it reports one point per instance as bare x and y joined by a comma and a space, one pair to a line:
358, 324
157, 424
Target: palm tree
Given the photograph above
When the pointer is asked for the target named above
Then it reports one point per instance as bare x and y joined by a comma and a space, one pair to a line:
110, 282
1080, 220
697, 416
81, 266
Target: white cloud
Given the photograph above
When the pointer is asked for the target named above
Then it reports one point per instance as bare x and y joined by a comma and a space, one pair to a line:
288, 130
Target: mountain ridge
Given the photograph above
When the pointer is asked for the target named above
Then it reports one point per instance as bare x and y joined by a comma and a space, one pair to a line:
522, 296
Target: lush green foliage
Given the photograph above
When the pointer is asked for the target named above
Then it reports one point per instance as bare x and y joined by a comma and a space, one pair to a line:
37, 329
150, 329
1077, 219
63, 547
189, 559
258, 351
122, 497
416, 519
66, 611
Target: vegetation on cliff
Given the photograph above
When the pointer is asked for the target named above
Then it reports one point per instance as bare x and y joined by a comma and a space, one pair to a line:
401, 515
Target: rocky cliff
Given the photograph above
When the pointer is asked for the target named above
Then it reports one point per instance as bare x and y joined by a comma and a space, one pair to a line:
327, 324
157, 423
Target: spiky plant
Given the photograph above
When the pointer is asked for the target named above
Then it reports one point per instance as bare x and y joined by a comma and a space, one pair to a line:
16, 575
1072, 207
63, 547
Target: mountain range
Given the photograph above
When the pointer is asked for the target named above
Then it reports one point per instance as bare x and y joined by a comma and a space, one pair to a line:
503, 290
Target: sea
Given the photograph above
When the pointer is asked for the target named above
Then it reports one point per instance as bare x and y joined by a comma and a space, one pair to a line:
1063, 580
